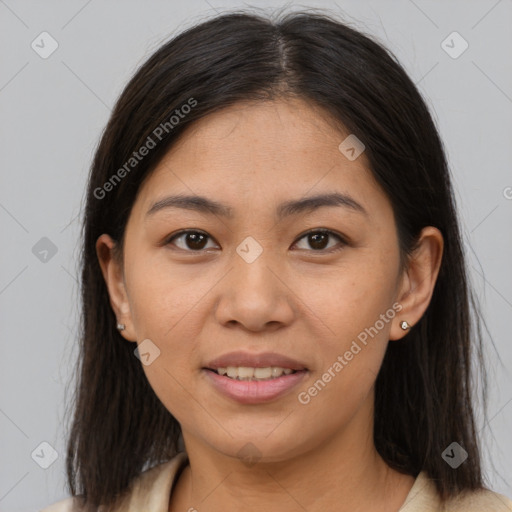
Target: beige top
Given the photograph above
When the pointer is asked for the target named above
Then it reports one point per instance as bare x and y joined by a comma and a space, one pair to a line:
152, 489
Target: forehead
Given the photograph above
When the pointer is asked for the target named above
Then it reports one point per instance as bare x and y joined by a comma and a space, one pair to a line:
252, 152
290, 125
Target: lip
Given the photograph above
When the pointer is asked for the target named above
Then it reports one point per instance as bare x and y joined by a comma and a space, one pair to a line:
262, 360
252, 391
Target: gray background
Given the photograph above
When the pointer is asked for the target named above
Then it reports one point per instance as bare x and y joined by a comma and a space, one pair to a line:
52, 114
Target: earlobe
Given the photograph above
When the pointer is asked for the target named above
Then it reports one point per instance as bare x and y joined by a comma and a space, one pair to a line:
112, 271
418, 281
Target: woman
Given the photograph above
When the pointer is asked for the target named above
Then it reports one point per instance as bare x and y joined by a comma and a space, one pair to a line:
276, 314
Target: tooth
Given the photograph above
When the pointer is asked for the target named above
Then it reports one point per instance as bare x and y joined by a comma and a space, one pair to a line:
245, 372
276, 372
263, 373
287, 371
232, 372
222, 371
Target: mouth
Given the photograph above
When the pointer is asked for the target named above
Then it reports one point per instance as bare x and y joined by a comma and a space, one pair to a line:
254, 378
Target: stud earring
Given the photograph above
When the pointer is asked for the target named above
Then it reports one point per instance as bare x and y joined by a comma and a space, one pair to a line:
121, 327
404, 325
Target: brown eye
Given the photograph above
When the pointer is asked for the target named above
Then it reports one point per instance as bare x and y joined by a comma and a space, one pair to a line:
318, 240
190, 240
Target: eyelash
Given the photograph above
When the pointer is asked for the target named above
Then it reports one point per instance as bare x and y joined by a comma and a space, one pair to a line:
342, 240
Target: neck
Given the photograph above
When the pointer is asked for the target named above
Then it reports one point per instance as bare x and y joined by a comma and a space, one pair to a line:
344, 473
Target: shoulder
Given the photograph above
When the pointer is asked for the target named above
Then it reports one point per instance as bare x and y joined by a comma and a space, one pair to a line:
67, 505
478, 501
150, 489
423, 497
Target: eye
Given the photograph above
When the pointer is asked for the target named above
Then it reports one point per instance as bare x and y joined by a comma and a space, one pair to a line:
190, 240
318, 240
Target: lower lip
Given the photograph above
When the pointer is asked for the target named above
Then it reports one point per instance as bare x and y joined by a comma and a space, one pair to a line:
255, 391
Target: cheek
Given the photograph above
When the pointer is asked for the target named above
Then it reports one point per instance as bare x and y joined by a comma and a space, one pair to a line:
162, 308
162, 297
351, 298
356, 307
166, 317
351, 356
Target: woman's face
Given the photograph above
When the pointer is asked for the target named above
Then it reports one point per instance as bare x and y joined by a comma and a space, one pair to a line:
256, 284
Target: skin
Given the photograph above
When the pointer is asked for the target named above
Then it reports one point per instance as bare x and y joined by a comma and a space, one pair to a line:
296, 298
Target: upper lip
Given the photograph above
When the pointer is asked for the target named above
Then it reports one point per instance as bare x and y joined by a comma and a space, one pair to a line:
262, 360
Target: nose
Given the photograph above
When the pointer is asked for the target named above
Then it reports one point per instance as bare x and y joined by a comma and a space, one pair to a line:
255, 296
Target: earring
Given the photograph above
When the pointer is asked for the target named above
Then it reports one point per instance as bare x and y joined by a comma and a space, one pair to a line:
404, 325
120, 327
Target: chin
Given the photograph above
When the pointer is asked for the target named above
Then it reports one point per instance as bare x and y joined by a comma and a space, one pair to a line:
255, 447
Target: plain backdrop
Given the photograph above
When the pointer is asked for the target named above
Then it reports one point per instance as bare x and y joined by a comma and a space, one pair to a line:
53, 111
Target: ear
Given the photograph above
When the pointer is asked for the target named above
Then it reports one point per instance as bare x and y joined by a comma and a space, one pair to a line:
111, 268
418, 280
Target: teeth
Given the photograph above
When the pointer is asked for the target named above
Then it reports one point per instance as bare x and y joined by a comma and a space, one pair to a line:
246, 373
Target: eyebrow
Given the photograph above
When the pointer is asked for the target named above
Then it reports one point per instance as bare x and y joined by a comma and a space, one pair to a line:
294, 207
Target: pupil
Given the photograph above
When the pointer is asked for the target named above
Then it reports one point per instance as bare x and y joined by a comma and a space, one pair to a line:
314, 238
193, 238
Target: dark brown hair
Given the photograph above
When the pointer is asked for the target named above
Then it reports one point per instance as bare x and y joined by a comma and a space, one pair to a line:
424, 391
